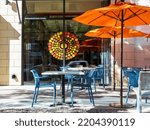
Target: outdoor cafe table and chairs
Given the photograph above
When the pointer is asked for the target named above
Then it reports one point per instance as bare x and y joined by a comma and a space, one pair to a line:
73, 72
138, 81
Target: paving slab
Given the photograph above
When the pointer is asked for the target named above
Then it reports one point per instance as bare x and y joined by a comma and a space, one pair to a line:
19, 99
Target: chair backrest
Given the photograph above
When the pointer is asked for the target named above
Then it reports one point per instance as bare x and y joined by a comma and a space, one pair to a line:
143, 89
64, 68
144, 80
99, 74
35, 73
124, 71
133, 76
90, 75
79, 62
67, 76
36, 77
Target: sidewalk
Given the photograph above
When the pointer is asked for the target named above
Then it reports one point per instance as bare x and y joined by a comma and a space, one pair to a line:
19, 98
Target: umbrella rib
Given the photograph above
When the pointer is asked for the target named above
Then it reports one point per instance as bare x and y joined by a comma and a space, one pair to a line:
99, 35
114, 34
118, 18
94, 19
105, 14
134, 14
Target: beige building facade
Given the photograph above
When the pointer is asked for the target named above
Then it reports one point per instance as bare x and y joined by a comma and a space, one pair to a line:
12, 42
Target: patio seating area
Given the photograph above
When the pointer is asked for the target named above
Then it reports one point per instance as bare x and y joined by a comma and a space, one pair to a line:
19, 98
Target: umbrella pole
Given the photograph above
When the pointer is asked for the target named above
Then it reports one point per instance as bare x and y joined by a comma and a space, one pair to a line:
114, 64
121, 78
103, 65
64, 29
120, 105
64, 40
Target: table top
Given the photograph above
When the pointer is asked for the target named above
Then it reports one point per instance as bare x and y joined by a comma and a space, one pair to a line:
80, 68
62, 73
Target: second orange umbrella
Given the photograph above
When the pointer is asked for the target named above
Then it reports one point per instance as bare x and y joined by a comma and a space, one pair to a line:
114, 32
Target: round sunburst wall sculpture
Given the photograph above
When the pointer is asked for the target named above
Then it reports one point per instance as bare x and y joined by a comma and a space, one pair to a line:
55, 45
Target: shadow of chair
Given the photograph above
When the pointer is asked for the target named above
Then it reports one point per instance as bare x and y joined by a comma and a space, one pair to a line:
38, 84
143, 91
88, 78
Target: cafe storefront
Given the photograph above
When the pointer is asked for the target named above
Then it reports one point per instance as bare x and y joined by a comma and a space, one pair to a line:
44, 19
38, 21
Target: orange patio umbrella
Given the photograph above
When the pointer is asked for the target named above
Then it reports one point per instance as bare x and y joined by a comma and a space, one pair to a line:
111, 15
114, 32
90, 44
119, 14
147, 36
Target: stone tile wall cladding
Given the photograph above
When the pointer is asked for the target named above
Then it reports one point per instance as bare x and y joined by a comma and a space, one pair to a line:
10, 44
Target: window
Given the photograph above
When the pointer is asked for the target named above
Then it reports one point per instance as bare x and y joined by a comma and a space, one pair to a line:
42, 19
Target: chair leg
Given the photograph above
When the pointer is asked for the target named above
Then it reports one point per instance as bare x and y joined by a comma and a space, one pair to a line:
34, 97
146, 100
91, 95
139, 106
94, 83
127, 94
69, 82
37, 92
72, 95
54, 95
92, 98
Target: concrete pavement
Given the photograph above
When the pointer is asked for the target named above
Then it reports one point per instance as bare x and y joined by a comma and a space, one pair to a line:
20, 98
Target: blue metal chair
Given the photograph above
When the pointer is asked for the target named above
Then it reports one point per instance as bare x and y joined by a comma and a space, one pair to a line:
143, 90
69, 77
99, 75
133, 76
88, 77
38, 84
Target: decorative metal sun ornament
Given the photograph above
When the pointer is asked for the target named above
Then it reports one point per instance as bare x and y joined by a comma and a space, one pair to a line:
55, 45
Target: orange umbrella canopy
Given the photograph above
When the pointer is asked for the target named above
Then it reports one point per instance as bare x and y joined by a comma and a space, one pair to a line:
111, 15
114, 32
91, 44
147, 36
